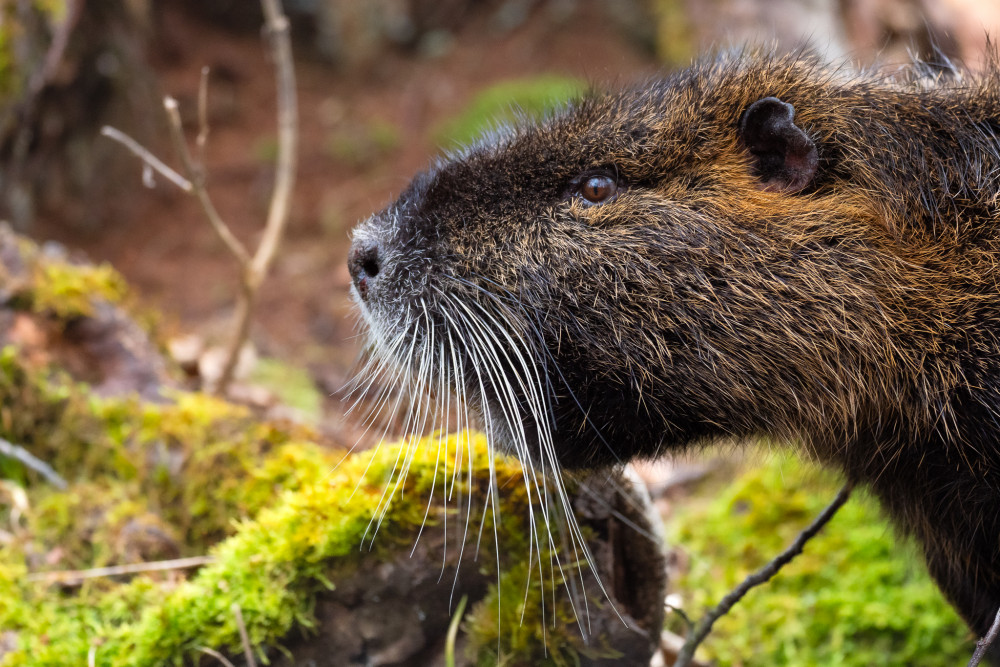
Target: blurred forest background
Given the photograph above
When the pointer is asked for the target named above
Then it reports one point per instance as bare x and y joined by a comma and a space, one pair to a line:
383, 86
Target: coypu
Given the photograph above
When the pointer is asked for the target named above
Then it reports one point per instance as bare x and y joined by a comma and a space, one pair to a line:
755, 246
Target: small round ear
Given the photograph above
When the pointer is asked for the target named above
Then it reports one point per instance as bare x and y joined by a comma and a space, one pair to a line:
784, 156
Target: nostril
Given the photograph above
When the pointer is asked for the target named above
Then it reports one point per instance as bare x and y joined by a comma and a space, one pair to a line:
369, 262
363, 263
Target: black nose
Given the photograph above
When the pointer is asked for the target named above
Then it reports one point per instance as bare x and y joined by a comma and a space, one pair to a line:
363, 262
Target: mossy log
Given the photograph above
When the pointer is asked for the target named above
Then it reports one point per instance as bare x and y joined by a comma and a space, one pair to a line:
330, 559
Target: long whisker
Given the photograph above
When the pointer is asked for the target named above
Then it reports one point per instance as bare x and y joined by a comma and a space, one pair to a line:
547, 459
447, 351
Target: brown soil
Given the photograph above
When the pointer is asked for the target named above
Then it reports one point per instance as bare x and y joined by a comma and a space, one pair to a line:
164, 246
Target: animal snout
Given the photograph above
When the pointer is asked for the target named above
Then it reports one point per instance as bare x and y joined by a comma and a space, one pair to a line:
364, 264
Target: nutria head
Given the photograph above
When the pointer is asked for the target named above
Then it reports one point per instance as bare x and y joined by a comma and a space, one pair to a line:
754, 246
693, 259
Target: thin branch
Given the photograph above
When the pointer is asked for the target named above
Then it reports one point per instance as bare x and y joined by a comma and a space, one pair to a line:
195, 173
984, 644
244, 636
256, 268
57, 48
148, 158
202, 139
284, 178
277, 28
215, 654
697, 635
117, 570
12, 451
41, 77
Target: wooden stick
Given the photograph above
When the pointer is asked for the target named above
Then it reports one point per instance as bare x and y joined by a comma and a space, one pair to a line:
215, 654
277, 28
697, 634
254, 269
18, 453
984, 644
117, 570
147, 157
244, 635
196, 176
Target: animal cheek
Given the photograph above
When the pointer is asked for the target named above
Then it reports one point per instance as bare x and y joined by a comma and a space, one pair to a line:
577, 209
591, 215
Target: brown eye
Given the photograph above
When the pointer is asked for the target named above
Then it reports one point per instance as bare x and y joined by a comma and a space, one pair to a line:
598, 189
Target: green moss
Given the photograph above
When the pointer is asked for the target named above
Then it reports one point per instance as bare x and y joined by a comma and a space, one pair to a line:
273, 568
197, 470
54, 9
7, 84
293, 386
527, 617
11, 81
68, 290
508, 624
856, 596
504, 102
51, 285
197, 463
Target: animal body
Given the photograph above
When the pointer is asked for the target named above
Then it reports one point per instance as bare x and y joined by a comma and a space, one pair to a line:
755, 246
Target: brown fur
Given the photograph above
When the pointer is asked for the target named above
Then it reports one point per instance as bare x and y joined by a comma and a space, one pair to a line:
858, 315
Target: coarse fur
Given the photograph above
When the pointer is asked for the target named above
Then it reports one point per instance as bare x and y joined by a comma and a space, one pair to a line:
855, 309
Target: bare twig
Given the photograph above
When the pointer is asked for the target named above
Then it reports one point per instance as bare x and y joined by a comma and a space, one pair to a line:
196, 173
12, 451
202, 139
41, 77
148, 158
215, 654
255, 268
117, 570
284, 178
697, 635
984, 644
57, 48
244, 636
